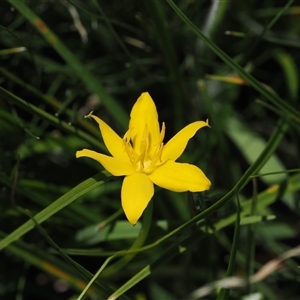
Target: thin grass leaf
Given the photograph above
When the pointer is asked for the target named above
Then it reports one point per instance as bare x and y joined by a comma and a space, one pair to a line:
276, 41
277, 101
55, 207
12, 50
157, 11
9, 97
79, 69
264, 200
224, 293
288, 65
251, 145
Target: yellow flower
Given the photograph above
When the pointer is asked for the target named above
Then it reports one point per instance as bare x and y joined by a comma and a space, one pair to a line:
144, 160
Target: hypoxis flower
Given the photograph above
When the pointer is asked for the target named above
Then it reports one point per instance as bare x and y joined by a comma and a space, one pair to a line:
144, 160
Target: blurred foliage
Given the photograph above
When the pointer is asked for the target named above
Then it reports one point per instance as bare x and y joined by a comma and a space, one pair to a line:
61, 59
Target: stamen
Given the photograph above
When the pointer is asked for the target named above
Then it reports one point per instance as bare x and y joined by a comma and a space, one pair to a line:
127, 135
157, 156
161, 138
162, 133
145, 141
142, 162
128, 147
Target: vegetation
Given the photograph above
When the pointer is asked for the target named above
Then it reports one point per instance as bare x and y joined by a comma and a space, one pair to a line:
63, 232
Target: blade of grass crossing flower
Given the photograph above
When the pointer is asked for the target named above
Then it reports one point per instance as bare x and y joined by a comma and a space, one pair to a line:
280, 103
55, 207
79, 69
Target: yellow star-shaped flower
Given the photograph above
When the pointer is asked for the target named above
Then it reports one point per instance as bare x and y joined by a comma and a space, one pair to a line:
144, 160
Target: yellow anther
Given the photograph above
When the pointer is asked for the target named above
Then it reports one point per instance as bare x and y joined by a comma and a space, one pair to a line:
144, 142
162, 133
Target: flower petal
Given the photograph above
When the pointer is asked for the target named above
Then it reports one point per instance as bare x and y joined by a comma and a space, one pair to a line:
179, 177
115, 166
137, 191
176, 145
144, 117
112, 141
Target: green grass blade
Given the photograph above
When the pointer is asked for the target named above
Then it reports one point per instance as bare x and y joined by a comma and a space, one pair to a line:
224, 293
55, 207
265, 198
166, 44
288, 65
9, 97
52, 101
79, 69
253, 169
266, 29
58, 268
168, 254
44, 261
280, 103
251, 145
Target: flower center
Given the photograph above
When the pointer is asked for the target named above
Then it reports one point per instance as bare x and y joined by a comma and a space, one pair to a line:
146, 160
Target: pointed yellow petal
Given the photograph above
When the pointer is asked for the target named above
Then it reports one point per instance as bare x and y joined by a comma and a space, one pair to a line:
179, 177
144, 117
115, 166
176, 145
137, 191
112, 141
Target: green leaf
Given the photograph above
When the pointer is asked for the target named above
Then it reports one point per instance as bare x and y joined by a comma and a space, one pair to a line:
79, 68
288, 65
252, 146
81, 189
121, 230
256, 219
264, 199
288, 109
